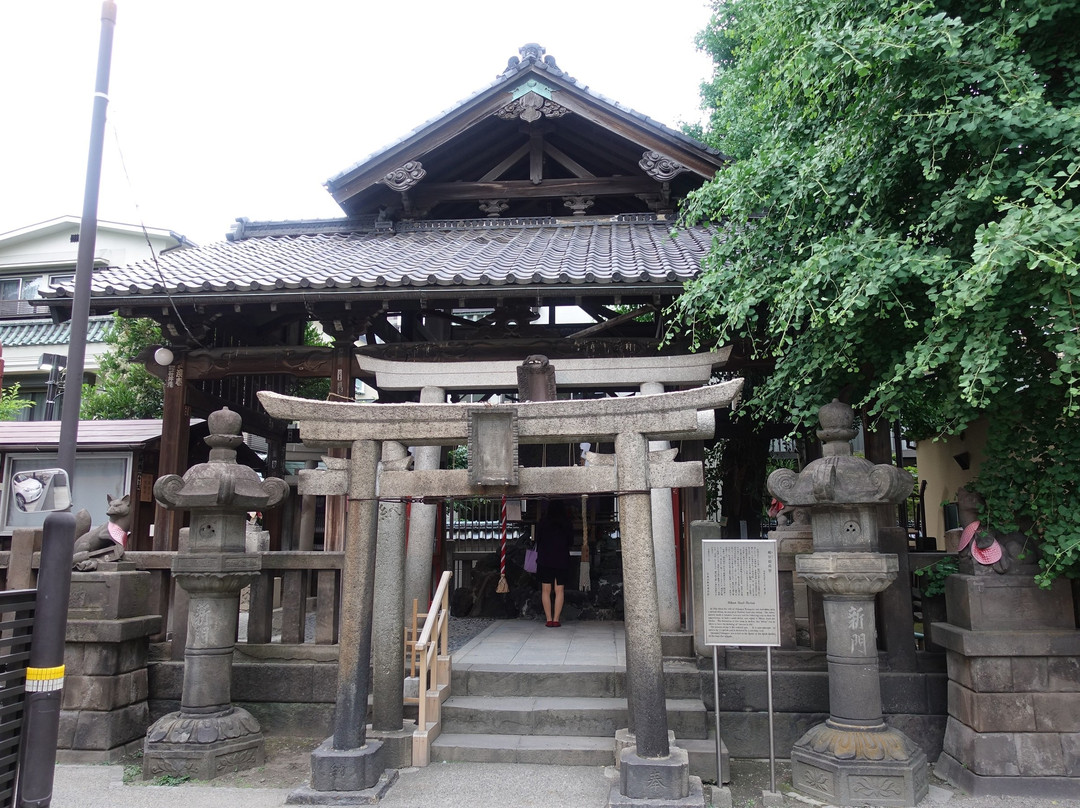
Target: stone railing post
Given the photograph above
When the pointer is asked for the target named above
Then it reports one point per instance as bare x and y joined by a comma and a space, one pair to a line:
853, 758
104, 714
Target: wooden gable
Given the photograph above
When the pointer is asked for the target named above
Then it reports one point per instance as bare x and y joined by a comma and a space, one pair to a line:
534, 143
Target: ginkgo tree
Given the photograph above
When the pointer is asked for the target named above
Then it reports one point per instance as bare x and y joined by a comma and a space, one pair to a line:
900, 223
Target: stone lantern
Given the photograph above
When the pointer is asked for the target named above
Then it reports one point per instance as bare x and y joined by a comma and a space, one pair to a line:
209, 735
853, 758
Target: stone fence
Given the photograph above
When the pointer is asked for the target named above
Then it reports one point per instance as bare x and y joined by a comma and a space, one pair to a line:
289, 620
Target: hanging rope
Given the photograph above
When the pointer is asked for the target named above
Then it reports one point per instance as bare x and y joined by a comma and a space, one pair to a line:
503, 586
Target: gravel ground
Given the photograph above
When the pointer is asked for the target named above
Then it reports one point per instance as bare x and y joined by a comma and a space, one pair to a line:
463, 629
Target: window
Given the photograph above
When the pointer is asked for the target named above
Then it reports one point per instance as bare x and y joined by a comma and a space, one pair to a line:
96, 474
14, 293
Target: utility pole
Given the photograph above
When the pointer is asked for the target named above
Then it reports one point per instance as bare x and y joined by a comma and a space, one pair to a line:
45, 672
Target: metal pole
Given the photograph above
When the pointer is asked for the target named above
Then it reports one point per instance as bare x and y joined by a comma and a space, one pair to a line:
50, 392
772, 743
716, 705
84, 264
45, 672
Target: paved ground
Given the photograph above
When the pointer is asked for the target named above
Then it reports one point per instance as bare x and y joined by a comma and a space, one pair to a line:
469, 785
463, 785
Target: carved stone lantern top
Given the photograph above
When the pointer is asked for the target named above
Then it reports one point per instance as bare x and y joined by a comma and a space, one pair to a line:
221, 483
840, 478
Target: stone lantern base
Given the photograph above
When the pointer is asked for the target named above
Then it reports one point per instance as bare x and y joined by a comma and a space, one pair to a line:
859, 767
203, 746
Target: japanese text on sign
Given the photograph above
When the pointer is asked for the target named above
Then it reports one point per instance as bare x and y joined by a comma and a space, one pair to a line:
740, 593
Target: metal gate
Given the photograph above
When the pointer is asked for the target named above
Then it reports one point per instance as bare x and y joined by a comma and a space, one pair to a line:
16, 625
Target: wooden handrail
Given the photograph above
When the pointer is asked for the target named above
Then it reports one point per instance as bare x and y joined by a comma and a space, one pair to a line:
441, 598
433, 681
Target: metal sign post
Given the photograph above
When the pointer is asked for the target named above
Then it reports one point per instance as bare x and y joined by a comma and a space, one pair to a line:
741, 602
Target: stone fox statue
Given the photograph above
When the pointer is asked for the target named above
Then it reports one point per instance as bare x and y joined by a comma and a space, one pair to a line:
105, 542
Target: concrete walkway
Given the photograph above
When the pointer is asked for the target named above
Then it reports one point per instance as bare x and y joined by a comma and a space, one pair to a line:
529, 642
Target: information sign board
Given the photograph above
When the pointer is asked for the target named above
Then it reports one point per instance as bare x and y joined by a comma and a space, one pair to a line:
741, 598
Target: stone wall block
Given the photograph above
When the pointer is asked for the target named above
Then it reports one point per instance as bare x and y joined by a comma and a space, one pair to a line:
290, 683
1063, 674
992, 712
1057, 712
1039, 754
1007, 602
104, 692
937, 696
959, 668
925, 730
166, 680
991, 674
792, 691
65, 737
903, 693
105, 731
324, 685
109, 594
1029, 674
992, 754
1070, 753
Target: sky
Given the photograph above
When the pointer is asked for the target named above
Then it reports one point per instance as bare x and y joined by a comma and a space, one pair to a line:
226, 108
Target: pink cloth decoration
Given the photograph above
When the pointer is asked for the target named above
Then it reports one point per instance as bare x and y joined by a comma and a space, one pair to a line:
118, 534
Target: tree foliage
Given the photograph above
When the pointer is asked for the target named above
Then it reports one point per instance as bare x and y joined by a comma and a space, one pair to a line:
901, 223
124, 389
10, 403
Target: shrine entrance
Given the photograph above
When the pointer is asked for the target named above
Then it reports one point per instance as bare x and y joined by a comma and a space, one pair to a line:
465, 533
495, 436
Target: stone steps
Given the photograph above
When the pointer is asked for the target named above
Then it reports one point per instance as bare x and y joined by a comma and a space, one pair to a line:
561, 715
682, 680
564, 715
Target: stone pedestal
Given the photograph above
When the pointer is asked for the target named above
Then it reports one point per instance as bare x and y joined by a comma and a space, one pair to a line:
104, 713
854, 758
1013, 655
656, 782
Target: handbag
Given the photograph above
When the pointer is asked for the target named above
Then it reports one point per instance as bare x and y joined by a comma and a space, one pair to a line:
530, 561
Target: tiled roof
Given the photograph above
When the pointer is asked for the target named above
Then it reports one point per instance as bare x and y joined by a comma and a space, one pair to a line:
17, 434
532, 56
425, 254
25, 333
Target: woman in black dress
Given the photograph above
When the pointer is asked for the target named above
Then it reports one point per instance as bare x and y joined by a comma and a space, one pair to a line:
554, 535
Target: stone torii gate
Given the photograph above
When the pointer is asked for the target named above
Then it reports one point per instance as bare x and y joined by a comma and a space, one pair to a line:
652, 769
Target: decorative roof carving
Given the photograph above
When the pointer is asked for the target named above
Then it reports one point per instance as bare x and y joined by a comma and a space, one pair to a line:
531, 107
494, 207
659, 167
579, 204
532, 53
405, 177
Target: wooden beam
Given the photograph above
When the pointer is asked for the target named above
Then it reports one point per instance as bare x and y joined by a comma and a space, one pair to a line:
302, 361
636, 133
568, 162
415, 147
173, 456
525, 189
506, 164
536, 156
614, 321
